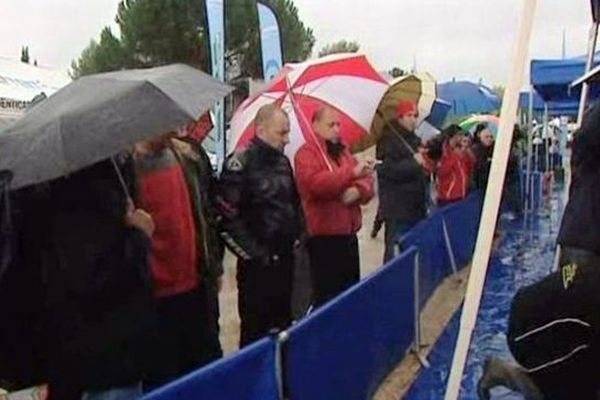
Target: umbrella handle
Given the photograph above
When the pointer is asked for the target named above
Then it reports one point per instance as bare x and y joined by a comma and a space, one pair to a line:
397, 134
121, 180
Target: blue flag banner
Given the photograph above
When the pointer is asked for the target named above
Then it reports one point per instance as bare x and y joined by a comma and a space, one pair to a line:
270, 41
215, 13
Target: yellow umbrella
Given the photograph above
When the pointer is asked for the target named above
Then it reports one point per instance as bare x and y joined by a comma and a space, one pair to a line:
419, 88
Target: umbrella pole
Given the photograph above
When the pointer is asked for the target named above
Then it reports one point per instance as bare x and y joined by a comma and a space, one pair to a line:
299, 112
121, 179
491, 205
404, 142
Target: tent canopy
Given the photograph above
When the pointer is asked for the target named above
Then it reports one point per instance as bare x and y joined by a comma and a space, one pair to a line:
555, 108
552, 78
595, 9
466, 98
22, 82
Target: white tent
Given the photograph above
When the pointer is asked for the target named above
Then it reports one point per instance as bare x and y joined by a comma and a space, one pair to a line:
21, 82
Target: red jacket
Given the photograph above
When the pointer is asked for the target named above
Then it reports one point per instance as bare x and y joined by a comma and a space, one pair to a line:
321, 191
454, 174
165, 195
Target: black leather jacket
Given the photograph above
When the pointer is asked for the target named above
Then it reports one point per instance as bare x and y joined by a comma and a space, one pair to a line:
260, 208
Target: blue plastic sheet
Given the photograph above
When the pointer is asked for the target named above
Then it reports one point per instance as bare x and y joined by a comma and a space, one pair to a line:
524, 257
347, 347
434, 262
249, 374
462, 222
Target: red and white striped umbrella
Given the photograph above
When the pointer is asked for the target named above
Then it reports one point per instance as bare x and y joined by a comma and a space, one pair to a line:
346, 82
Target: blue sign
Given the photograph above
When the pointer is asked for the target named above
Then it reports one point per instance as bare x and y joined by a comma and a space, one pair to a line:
215, 12
270, 41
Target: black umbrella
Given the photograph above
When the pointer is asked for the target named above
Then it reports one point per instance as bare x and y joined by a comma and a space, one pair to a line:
97, 116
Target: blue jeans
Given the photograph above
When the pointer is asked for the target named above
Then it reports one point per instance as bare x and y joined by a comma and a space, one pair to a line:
133, 392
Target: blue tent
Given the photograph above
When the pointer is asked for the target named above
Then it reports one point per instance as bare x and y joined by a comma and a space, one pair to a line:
555, 108
468, 98
551, 78
595, 9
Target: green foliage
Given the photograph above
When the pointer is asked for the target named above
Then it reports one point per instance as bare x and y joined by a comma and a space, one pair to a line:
343, 46
158, 32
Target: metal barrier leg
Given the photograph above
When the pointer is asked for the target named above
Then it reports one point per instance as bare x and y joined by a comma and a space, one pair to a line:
418, 345
282, 337
449, 247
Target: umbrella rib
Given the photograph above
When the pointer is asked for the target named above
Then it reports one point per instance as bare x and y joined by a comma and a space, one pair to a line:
334, 107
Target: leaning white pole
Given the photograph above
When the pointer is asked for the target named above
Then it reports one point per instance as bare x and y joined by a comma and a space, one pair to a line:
492, 201
585, 87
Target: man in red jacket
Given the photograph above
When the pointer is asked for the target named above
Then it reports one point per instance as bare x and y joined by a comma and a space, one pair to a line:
455, 168
332, 185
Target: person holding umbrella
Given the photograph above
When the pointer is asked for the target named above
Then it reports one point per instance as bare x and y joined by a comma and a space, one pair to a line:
84, 241
402, 175
333, 185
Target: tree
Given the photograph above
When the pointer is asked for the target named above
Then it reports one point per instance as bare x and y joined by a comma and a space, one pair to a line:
343, 46
108, 55
25, 54
158, 32
397, 72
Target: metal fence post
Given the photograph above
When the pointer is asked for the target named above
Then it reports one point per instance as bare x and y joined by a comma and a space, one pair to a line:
449, 247
282, 338
418, 345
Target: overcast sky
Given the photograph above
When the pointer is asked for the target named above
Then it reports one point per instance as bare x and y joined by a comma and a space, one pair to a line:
465, 39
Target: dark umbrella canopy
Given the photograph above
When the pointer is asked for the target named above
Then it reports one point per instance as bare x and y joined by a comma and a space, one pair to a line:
97, 116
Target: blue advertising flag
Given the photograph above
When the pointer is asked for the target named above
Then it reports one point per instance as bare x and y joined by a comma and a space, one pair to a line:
270, 40
215, 13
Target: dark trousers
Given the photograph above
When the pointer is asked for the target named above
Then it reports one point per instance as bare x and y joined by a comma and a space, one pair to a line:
264, 296
394, 229
183, 336
335, 265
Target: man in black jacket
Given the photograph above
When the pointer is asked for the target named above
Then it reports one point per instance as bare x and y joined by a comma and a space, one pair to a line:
84, 247
262, 222
402, 176
579, 234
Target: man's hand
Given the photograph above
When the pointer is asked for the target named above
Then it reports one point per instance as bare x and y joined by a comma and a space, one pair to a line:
420, 159
350, 196
140, 219
363, 168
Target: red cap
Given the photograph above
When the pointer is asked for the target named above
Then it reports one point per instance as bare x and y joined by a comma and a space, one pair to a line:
405, 107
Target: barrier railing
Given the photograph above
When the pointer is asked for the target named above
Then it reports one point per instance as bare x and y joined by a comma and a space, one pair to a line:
250, 374
348, 346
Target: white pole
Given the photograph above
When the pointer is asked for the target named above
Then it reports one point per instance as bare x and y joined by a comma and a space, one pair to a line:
492, 201
590, 62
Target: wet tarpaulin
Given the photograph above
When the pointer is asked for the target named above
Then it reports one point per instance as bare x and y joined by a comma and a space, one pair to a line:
524, 257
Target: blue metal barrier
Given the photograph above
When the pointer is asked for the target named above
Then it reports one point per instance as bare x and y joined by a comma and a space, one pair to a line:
535, 199
250, 374
435, 265
462, 222
347, 347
